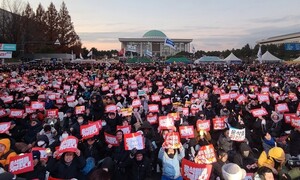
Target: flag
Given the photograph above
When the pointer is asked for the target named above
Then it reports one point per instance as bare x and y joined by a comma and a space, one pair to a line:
80, 56
148, 53
131, 48
259, 55
90, 54
121, 52
170, 43
193, 50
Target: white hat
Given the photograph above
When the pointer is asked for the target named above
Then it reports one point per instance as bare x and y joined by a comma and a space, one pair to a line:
232, 171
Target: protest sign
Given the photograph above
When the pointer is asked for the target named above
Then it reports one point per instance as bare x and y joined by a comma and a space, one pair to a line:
224, 97
2, 113
70, 98
203, 125
52, 113
136, 103
59, 101
219, 123
155, 98
186, 131
241, 98
134, 140
265, 89
194, 171
89, 130
118, 91
288, 117
68, 145
110, 108
206, 155
295, 122
43, 152
153, 108
37, 105
4, 127
165, 101
259, 112
175, 116
263, 98
133, 94
111, 139
21, 164
124, 129
283, 107
165, 122
16, 113
185, 111
237, 134
152, 119
79, 110
7, 99
172, 141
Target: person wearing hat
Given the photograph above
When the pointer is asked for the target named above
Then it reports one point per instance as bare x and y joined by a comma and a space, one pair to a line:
274, 159
69, 119
244, 158
6, 153
217, 166
232, 171
39, 171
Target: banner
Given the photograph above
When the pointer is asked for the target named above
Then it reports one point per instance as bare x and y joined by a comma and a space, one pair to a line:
111, 139
124, 129
4, 127
5, 54
283, 107
8, 47
206, 155
16, 113
186, 131
295, 122
165, 122
237, 134
68, 145
203, 125
170, 43
193, 171
21, 164
79, 109
259, 112
89, 130
134, 140
219, 123
131, 48
153, 108
152, 119
172, 141
52, 113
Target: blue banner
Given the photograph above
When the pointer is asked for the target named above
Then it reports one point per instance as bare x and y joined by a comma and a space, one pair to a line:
8, 47
292, 46
170, 43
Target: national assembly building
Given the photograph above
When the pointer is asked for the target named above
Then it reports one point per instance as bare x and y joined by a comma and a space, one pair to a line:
154, 42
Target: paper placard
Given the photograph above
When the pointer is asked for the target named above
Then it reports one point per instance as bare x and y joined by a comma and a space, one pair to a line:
37, 105
206, 155
118, 91
166, 122
111, 139
224, 97
185, 111
165, 101
241, 98
16, 113
203, 125
68, 145
60, 101
70, 98
111, 108
153, 108
43, 152
2, 113
89, 130
175, 116
105, 88
136, 103
52, 113
219, 123
79, 109
4, 127
7, 99
263, 98
265, 89
283, 107
134, 140
233, 95
172, 141
295, 122
133, 94
124, 129
21, 164
152, 119
237, 134
288, 117
155, 98
259, 112
186, 131
193, 171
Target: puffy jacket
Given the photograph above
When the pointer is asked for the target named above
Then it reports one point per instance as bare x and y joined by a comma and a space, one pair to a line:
268, 160
7, 154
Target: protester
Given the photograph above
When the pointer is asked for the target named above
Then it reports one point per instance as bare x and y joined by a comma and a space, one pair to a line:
5, 153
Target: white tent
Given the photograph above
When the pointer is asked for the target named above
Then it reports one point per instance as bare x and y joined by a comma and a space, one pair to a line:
232, 59
267, 57
298, 59
209, 59
82, 61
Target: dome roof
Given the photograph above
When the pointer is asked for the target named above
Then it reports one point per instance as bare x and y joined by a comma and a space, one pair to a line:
154, 34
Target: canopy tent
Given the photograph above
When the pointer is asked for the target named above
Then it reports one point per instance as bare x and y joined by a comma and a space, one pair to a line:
232, 59
209, 59
81, 61
298, 59
139, 60
267, 57
178, 60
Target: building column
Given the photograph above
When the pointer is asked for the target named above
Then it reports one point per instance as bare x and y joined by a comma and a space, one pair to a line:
141, 49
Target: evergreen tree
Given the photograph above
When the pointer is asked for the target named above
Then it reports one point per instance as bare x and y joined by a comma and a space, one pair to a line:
51, 20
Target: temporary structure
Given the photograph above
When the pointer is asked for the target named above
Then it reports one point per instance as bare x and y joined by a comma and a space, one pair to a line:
298, 59
209, 59
178, 60
267, 57
232, 59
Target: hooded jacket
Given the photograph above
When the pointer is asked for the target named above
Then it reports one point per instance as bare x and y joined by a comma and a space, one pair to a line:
268, 160
7, 154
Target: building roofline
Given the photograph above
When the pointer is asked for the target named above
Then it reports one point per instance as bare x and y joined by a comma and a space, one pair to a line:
153, 40
280, 38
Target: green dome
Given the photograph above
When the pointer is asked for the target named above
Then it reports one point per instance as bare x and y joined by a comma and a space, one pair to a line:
154, 34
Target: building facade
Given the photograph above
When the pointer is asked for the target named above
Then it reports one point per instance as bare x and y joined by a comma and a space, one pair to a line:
153, 41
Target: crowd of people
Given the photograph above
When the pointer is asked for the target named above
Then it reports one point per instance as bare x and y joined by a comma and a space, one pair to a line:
241, 121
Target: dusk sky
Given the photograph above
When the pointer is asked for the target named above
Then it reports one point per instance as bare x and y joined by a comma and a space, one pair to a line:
213, 25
